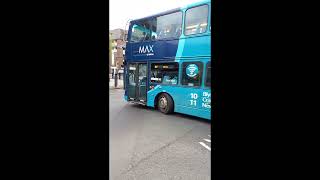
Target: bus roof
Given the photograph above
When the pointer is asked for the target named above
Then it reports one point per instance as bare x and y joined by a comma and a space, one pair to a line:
173, 10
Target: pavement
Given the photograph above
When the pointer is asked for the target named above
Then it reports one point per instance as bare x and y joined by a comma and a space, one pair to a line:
146, 144
120, 84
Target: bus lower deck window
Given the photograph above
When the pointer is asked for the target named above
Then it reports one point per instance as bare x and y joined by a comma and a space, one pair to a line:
164, 73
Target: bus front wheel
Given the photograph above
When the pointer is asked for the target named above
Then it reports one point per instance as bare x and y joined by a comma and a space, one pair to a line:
165, 103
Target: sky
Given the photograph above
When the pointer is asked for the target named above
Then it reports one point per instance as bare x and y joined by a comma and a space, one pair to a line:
123, 10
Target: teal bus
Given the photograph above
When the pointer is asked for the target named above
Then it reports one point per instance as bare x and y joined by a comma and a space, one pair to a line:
168, 61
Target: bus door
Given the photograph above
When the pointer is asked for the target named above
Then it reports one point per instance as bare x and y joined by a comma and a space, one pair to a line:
137, 90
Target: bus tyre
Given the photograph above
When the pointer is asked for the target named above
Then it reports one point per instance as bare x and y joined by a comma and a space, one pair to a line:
165, 103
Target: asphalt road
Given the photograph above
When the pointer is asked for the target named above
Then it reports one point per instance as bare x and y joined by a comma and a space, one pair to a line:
146, 144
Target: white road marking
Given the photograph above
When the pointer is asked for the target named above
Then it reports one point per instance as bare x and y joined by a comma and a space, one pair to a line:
204, 145
208, 140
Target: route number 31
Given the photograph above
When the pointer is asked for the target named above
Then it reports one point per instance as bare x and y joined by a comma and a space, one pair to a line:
193, 101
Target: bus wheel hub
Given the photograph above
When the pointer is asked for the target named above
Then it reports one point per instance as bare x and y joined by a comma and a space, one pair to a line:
163, 102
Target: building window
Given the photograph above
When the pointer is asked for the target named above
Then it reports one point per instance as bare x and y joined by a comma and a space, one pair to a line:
192, 73
165, 73
167, 26
196, 20
208, 76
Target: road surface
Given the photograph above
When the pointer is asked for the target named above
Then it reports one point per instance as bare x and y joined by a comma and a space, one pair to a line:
146, 144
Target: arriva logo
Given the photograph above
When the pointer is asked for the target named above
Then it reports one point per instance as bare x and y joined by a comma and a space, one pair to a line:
146, 49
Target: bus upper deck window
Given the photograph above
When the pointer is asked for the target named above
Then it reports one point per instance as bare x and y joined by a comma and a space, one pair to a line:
169, 25
196, 20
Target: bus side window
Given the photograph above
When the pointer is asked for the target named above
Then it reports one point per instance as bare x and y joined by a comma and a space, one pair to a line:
137, 34
192, 73
141, 31
196, 20
178, 31
208, 75
168, 26
165, 73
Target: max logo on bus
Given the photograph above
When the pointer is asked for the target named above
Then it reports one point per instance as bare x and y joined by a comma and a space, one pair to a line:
147, 50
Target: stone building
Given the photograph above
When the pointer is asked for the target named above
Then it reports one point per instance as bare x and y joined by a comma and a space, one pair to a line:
118, 43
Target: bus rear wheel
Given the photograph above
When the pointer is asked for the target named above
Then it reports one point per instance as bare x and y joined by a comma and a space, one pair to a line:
165, 103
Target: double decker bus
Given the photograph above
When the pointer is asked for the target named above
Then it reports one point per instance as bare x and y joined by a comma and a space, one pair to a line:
168, 61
